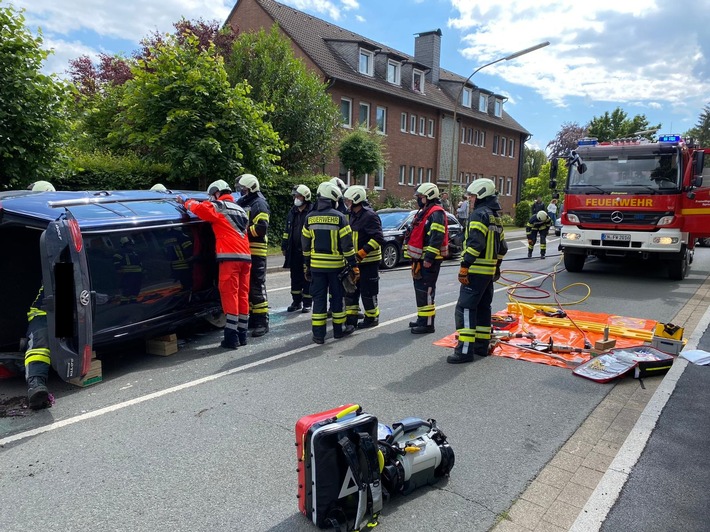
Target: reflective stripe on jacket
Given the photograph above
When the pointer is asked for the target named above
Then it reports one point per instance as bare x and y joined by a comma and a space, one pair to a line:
327, 239
367, 233
258, 211
429, 239
485, 239
229, 224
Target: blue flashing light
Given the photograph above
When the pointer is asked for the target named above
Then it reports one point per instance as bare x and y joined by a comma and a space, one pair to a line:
587, 141
669, 138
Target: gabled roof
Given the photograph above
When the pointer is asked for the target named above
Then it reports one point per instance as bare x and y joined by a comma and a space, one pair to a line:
316, 37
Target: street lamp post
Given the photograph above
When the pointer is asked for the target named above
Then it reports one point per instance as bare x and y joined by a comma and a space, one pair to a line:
454, 166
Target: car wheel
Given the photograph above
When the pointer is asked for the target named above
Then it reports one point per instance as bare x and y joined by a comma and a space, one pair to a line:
390, 256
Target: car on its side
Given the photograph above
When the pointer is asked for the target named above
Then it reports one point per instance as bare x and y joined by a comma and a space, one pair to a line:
396, 222
115, 266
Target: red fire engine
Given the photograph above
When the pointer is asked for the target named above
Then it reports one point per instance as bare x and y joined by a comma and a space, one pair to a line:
634, 198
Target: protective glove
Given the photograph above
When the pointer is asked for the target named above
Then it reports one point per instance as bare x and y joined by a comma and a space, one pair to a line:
496, 276
463, 275
355, 274
360, 255
416, 270
180, 199
307, 273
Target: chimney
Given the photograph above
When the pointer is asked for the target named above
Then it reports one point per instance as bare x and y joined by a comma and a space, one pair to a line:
427, 50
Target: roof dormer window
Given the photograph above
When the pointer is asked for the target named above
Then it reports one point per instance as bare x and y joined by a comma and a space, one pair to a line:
498, 108
367, 60
393, 71
466, 97
418, 81
483, 103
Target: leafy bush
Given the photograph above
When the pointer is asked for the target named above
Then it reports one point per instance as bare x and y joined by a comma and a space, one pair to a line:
507, 220
523, 212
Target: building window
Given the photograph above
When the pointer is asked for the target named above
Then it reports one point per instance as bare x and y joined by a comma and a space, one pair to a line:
420, 176
402, 174
428, 175
422, 126
413, 124
477, 138
466, 97
461, 177
501, 183
498, 108
463, 135
431, 128
366, 62
418, 81
403, 123
393, 72
503, 146
511, 148
495, 144
411, 175
346, 110
483, 139
469, 137
379, 178
509, 186
483, 103
344, 174
381, 120
365, 115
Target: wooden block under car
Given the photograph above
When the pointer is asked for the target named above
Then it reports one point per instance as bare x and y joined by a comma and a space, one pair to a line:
93, 376
162, 346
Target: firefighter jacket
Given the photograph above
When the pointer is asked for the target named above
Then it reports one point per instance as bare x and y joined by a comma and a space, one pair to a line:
257, 209
429, 238
485, 240
536, 225
367, 233
229, 224
37, 308
179, 249
291, 239
327, 239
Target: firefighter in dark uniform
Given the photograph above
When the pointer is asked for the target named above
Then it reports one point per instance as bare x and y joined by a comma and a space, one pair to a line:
254, 203
367, 242
538, 223
293, 252
179, 250
37, 359
327, 248
130, 269
426, 245
480, 268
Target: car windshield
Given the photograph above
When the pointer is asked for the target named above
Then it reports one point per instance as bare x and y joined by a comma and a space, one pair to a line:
392, 220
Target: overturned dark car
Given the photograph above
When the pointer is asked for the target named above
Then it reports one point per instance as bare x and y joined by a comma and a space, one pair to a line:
119, 265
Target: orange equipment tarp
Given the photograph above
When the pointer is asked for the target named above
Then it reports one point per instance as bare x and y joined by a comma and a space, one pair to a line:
567, 335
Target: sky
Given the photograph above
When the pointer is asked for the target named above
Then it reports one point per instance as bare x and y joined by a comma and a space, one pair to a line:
648, 57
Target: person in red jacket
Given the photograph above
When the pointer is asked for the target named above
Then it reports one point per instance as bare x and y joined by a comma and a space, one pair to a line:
229, 224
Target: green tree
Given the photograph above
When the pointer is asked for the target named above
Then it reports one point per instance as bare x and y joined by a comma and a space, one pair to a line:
181, 108
532, 161
566, 139
540, 185
362, 151
617, 125
32, 106
701, 131
303, 113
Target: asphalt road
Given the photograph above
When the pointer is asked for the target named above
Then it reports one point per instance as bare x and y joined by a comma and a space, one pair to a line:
204, 439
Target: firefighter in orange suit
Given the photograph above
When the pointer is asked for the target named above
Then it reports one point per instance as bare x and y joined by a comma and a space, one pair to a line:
229, 224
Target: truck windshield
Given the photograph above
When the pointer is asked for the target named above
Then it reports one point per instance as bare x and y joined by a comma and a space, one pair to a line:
652, 172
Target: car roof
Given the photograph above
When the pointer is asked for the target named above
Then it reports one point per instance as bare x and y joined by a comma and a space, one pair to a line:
394, 209
95, 208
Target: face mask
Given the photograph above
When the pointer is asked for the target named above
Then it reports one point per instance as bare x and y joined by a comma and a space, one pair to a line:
297, 202
420, 202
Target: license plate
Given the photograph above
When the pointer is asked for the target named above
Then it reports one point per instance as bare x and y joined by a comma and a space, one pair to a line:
616, 237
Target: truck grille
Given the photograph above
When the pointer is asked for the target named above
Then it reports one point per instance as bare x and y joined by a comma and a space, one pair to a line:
630, 218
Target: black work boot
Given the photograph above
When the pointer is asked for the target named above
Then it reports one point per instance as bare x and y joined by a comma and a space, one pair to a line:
37, 392
242, 336
459, 358
231, 340
416, 323
307, 303
530, 253
542, 255
293, 307
368, 322
260, 328
346, 330
423, 328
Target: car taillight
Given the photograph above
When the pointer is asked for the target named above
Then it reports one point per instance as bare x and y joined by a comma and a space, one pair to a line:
76, 235
86, 364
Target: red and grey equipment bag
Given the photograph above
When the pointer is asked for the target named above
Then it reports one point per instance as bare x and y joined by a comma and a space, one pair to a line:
339, 468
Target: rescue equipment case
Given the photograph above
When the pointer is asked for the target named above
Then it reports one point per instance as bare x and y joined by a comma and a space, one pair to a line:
338, 468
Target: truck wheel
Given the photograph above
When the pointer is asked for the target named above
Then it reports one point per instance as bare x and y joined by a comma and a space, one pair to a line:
678, 269
574, 263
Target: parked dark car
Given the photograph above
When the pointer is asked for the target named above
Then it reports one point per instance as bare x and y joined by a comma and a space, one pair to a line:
114, 265
395, 223
558, 226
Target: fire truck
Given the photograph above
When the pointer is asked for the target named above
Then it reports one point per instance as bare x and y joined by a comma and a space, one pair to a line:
634, 198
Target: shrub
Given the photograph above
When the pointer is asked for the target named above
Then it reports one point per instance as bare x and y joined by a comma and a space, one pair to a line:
523, 211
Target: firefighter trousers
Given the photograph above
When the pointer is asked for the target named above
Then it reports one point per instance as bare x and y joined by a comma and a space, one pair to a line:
532, 238
37, 358
258, 304
425, 293
234, 293
473, 315
322, 283
368, 287
300, 288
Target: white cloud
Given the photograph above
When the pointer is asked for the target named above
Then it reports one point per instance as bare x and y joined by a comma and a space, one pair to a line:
62, 53
360, 18
318, 6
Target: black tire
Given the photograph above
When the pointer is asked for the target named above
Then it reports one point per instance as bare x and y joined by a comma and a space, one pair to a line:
574, 263
390, 256
678, 268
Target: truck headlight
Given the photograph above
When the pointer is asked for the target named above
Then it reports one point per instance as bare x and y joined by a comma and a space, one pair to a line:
666, 220
571, 236
665, 240
573, 218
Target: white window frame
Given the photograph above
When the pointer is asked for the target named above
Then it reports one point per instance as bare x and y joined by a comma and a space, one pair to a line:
428, 175
367, 116
397, 78
483, 103
463, 135
411, 176
347, 120
509, 186
430, 134
420, 175
469, 136
495, 144
370, 58
476, 137
501, 183
413, 124
402, 174
511, 148
483, 139
379, 179
344, 174
420, 75
466, 97
498, 108
403, 123
422, 126
381, 123
503, 146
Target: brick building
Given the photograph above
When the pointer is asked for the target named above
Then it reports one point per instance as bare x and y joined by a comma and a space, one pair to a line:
409, 99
